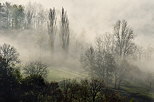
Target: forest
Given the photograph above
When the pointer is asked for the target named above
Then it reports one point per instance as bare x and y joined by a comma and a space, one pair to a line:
42, 60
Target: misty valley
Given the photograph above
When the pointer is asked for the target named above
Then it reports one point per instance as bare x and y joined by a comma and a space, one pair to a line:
43, 59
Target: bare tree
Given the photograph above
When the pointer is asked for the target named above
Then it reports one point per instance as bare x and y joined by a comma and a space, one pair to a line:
52, 27
124, 39
124, 46
10, 54
107, 59
64, 31
100, 60
88, 61
36, 68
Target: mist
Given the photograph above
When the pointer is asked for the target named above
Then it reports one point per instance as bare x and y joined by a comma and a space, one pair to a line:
137, 13
88, 19
103, 44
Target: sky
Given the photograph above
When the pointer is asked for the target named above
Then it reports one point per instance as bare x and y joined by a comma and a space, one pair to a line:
93, 17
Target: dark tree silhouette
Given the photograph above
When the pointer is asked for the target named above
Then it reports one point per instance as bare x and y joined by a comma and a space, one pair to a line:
9, 54
10, 81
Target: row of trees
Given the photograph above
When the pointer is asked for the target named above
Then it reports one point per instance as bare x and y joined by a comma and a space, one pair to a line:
11, 16
64, 29
31, 86
14, 16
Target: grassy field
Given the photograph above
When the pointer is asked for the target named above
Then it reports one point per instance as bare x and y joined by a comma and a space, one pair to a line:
61, 74
139, 91
64, 73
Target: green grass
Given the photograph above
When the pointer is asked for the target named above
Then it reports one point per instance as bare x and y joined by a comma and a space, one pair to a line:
61, 74
140, 91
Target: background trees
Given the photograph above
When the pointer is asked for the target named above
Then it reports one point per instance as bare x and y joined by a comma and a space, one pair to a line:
30, 13
34, 17
4, 15
13, 16
18, 17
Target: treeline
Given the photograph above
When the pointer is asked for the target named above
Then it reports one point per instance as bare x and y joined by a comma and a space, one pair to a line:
31, 84
17, 17
12, 16
31, 17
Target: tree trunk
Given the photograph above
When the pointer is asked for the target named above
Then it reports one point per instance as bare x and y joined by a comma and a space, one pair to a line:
119, 84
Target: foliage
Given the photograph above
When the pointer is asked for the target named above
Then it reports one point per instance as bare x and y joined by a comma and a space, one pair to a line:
64, 31
36, 68
9, 54
52, 26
